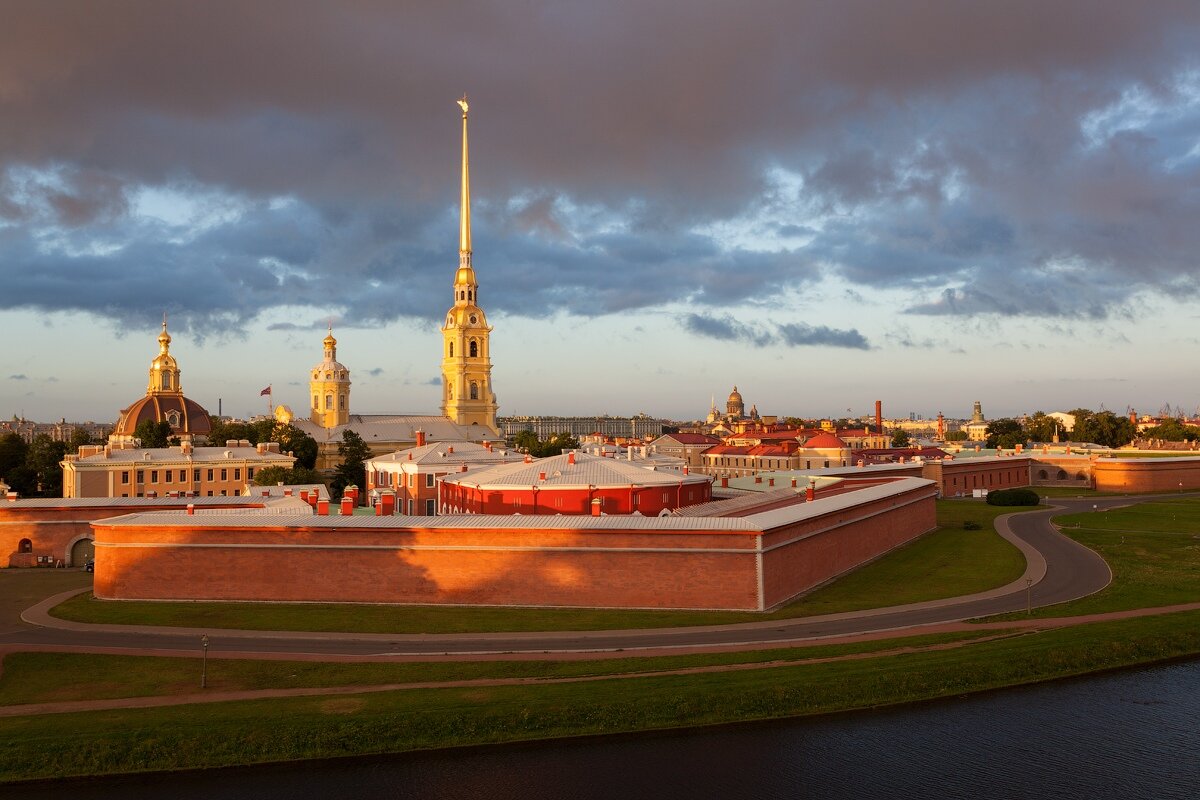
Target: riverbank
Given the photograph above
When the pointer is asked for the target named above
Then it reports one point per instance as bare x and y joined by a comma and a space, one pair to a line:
286, 729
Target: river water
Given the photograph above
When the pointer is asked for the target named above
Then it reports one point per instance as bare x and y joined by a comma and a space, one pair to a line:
1123, 735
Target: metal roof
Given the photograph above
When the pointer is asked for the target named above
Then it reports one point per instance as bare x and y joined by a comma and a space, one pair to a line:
109, 502
560, 473
753, 523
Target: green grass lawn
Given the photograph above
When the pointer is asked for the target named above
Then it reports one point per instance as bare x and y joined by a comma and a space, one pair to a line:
948, 562
53, 677
22, 588
1153, 549
222, 734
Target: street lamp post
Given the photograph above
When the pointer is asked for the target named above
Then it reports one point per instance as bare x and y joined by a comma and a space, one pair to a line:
1029, 596
204, 661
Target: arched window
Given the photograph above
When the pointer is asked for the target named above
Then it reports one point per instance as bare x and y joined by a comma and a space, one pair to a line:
341, 402
25, 546
1042, 474
166, 381
452, 349
474, 348
1062, 474
328, 402
450, 391
328, 375
316, 401
474, 390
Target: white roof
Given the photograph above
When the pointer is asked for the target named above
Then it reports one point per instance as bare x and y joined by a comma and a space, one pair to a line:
175, 455
456, 453
753, 523
560, 473
398, 428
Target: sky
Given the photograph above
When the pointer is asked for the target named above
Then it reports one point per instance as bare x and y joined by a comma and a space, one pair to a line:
825, 203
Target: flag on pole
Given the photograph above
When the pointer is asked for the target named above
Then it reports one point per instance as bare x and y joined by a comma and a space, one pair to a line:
265, 392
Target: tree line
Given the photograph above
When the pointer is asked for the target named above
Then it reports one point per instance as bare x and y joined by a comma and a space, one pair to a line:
1099, 427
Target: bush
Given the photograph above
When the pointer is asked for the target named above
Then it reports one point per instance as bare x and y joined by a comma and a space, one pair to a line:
1013, 497
972, 525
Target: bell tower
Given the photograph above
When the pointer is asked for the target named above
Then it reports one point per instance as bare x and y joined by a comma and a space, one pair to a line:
164, 370
330, 388
467, 396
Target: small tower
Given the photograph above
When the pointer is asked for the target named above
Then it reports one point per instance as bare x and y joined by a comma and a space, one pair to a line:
467, 396
330, 388
164, 371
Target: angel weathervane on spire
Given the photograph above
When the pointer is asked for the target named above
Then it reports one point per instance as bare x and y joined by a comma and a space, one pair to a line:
462, 103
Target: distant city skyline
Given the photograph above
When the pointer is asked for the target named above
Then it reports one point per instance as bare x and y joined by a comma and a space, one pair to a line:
923, 203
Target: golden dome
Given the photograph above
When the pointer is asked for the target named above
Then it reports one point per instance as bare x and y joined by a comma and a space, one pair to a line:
465, 275
735, 396
329, 341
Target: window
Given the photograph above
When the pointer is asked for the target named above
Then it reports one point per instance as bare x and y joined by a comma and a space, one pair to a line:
210, 493
249, 473
429, 480
341, 402
474, 349
154, 476
316, 399
210, 477
237, 474
125, 476
452, 349
410, 507
328, 402
224, 476
474, 390
26, 546
167, 476
141, 476
223, 493
196, 475
430, 508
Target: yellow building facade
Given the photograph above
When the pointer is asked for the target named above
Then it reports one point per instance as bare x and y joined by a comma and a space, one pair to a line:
330, 388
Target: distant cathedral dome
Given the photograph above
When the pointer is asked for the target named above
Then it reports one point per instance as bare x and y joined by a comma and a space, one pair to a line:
164, 400
735, 406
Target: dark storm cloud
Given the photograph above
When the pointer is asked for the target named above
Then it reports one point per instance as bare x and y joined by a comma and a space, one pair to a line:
998, 158
792, 334
797, 334
19, 377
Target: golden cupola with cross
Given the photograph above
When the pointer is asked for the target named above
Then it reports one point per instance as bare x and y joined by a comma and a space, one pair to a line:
467, 396
164, 401
330, 388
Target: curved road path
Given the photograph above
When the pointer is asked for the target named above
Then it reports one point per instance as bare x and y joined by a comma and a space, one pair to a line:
1058, 569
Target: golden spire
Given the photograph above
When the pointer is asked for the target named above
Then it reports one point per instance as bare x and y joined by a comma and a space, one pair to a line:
464, 223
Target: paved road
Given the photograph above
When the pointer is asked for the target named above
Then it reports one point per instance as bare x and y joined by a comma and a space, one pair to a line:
1058, 570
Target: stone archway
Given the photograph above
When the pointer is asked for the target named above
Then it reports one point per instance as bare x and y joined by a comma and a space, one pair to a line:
81, 551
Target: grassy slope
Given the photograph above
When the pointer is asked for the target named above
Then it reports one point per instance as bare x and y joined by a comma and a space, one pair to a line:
235, 733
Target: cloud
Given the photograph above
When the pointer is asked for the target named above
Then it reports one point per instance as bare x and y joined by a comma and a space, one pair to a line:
375, 372
986, 159
18, 377
797, 334
727, 328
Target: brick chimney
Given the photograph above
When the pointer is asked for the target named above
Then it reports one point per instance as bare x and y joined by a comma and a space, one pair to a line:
420, 438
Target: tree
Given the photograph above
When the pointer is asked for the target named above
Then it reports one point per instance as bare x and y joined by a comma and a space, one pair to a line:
1004, 433
901, 438
1042, 428
1103, 428
295, 441
297, 475
44, 460
1172, 430
79, 438
956, 436
152, 434
352, 470
526, 440
19, 477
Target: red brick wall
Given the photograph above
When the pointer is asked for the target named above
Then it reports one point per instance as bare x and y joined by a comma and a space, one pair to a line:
589, 570
500, 566
961, 477
52, 530
811, 552
1146, 474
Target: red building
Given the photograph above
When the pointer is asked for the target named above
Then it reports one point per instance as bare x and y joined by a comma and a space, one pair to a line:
575, 483
411, 475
